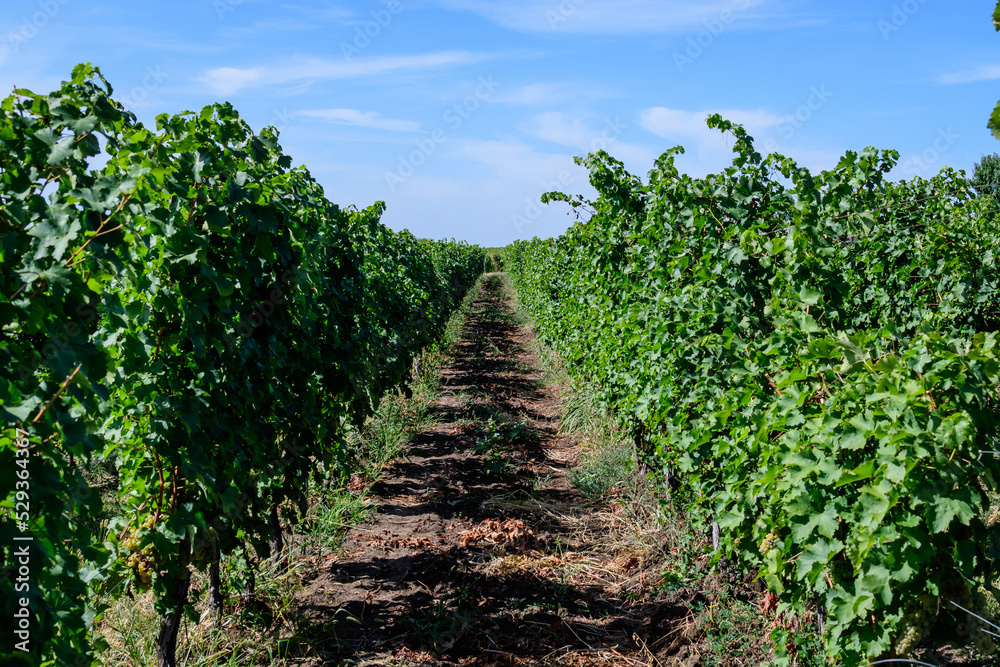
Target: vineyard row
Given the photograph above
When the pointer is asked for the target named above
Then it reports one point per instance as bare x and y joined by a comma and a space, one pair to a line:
810, 360
183, 307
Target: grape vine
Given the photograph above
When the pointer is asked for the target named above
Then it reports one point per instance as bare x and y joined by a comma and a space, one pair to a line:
196, 315
813, 356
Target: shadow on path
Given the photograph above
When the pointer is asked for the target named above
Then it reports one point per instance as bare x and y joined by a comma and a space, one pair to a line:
475, 555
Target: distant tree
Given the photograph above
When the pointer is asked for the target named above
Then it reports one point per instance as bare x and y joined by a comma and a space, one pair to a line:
985, 174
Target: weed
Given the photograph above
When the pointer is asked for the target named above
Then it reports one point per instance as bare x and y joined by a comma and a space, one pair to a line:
803, 649
439, 626
332, 513
732, 632
606, 466
582, 412
495, 445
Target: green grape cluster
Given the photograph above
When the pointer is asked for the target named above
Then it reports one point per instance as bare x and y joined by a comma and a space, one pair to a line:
917, 621
203, 546
770, 542
141, 559
969, 627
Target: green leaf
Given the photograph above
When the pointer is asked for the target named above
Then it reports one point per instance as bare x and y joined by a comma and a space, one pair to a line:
22, 412
809, 295
954, 431
853, 440
815, 557
854, 354
876, 580
825, 523
943, 510
994, 123
863, 471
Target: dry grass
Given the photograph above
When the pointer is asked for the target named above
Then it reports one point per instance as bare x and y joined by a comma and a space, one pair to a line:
131, 625
616, 545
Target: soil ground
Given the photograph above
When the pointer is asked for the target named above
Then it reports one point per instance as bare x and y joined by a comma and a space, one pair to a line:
481, 552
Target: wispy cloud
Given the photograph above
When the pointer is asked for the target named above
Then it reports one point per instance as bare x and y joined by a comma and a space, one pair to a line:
360, 119
677, 124
329, 14
980, 73
229, 80
710, 150
600, 16
542, 94
294, 18
532, 94
707, 149
511, 158
561, 128
152, 43
583, 136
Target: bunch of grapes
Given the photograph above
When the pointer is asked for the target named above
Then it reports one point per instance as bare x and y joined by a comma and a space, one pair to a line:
770, 542
142, 559
969, 627
203, 546
982, 641
918, 619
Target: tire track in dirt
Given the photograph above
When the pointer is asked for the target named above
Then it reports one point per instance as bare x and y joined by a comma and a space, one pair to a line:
481, 552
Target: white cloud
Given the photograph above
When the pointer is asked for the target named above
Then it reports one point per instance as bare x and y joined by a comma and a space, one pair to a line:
545, 94
576, 133
314, 15
229, 80
708, 150
676, 124
561, 128
532, 94
602, 16
980, 73
360, 119
583, 138
513, 159
293, 18
433, 189
509, 177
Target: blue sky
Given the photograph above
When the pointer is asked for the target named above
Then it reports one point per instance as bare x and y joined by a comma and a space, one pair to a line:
459, 114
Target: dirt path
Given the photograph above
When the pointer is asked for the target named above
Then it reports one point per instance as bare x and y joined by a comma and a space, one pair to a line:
481, 552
